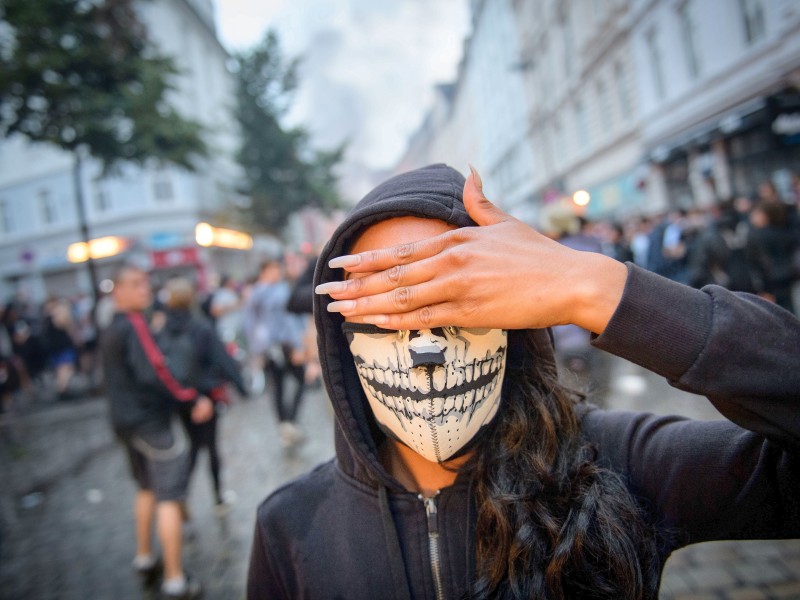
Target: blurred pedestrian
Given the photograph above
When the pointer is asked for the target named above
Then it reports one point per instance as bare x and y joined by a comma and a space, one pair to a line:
9, 373
277, 336
197, 358
301, 303
719, 256
770, 249
616, 245
143, 396
226, 310
60, 342
583, 366
640, 242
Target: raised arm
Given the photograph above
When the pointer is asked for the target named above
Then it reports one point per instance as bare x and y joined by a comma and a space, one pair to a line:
502, 274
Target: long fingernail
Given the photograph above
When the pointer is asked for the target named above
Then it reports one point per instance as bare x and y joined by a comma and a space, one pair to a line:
342, 262
341, 306
375, 319
476, 177
332, 287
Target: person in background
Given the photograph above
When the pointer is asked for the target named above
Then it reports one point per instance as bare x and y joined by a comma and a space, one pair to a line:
301, 303
9, 373
142, 395
719, 255
616, 246
197, 358
59, 340
583, 366
226, 310
640, 242
277, 336
770, 249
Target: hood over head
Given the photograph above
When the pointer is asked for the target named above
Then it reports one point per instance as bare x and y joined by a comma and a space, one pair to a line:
433, 192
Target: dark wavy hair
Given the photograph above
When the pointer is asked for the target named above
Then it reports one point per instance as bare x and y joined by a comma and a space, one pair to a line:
551, 523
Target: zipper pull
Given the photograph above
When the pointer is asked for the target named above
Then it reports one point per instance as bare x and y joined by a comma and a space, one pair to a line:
431, 513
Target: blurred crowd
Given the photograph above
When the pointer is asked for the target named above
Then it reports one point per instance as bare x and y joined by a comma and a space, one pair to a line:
49, 351
747, 244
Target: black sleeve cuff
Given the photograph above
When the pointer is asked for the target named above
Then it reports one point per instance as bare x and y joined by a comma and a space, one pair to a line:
659, 324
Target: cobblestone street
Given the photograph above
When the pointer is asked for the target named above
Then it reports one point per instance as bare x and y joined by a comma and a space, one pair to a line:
67, 524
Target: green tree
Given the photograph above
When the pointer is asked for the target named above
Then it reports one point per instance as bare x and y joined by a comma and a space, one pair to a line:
82, 75
282, 173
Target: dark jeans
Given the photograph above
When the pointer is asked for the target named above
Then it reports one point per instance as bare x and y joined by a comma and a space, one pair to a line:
200, 435
277, 370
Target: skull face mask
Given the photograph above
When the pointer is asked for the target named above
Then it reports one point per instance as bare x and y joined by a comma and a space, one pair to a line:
432, 389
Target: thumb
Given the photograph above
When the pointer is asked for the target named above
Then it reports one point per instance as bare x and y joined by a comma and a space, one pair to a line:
478, 207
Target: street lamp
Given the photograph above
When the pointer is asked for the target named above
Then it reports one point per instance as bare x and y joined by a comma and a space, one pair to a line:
581, 198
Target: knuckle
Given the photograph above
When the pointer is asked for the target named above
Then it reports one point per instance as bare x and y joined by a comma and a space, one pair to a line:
395, 274
356, 284
458, 259
402, 297
459, 236
404, 251
425, 315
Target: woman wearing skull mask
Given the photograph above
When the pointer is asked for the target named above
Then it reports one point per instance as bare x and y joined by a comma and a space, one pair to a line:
463, 469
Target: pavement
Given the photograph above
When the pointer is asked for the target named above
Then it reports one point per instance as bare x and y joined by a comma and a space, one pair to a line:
66, 522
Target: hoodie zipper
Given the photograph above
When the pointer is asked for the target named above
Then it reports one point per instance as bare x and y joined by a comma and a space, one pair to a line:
433, 542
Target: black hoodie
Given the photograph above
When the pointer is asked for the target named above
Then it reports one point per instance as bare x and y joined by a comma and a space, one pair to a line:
350, 530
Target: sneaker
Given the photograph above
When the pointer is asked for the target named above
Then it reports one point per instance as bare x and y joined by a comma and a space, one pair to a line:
223, 506
290, 434
285, 432
151, 574
191, 590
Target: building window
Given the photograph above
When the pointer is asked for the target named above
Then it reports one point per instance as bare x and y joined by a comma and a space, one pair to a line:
604, 107
582, 137
560, 144
48, 207
6, 220
162, 187
689, 44
655, 63
568, 43
753, 16
623, 97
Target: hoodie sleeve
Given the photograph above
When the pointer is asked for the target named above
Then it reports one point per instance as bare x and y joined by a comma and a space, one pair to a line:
708, 480
739, 350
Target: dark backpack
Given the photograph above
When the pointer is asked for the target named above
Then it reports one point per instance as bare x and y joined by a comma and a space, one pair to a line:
181, 355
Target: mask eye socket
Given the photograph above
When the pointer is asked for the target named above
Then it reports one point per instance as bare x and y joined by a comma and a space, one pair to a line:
451, 330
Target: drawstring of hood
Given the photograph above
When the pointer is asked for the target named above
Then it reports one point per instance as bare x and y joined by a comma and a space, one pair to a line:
396, 562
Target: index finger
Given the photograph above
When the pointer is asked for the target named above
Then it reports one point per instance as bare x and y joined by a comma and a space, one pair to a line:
385, 258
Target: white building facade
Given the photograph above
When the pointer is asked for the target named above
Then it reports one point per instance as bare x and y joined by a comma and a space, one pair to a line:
152, 210
719, 100
646, 104
577, 63
481, 118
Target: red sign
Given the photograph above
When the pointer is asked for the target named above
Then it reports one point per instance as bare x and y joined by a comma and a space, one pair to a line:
177, 257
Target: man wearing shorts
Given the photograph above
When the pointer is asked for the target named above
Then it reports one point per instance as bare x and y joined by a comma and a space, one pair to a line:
142, 395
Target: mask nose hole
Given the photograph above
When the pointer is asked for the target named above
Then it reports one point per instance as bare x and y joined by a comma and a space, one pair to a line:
425, 348
429, 356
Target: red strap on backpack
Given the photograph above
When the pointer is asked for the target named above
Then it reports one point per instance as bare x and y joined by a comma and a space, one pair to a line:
156, 360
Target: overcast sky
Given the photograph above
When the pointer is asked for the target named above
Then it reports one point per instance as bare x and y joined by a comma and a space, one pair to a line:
369, 65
